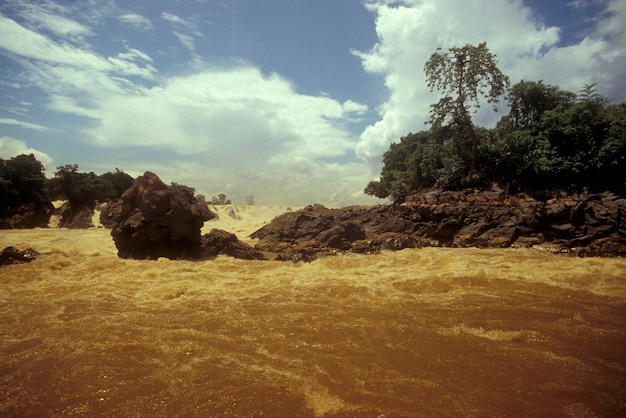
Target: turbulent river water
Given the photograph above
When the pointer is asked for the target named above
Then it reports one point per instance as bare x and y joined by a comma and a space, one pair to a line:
417, 333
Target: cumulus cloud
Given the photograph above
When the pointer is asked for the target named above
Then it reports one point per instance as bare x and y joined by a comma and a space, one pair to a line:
11, 147
229, 128
245, 127
410, 31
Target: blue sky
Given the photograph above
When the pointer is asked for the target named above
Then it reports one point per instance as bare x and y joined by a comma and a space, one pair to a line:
292, 101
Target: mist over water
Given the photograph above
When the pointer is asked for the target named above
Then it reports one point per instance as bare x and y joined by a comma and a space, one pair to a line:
424, 332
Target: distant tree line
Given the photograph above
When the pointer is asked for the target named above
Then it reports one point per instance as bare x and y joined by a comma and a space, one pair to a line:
551, 138
23, 181
85, 188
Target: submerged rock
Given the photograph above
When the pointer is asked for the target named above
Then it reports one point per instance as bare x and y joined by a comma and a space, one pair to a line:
221, 242
11, 255
157, 220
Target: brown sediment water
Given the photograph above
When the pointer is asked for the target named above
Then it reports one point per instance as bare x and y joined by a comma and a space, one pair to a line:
424, 332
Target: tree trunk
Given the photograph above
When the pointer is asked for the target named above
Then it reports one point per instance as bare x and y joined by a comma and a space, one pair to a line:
474, 166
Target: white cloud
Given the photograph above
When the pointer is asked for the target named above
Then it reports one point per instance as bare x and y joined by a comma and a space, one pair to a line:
23, 42
210, 128
27, 125
61, 68
186, 40
232, 111
135, 20
31, 45
188, 24
49, 16
410, 31
11, 147
237, 126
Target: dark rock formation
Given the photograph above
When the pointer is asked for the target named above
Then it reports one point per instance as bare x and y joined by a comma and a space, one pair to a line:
590, 225
221, 242
29, 215
76, 216
158, 220
111, 213
11, 255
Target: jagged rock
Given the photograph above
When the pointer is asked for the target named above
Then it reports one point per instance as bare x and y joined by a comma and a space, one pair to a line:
11, 255
579, 224
76, 216
111, 213
313, 230
29, 215
158, 220
221, 242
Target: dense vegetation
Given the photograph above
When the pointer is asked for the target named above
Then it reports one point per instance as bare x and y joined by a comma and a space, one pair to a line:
87, 188
22, 181
551, 140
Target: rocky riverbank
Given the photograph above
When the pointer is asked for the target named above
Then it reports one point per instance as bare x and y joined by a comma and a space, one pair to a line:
585, 225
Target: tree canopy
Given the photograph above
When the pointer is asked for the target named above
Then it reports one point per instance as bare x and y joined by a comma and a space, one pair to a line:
22, 181
464, 76
551, 139
86, 188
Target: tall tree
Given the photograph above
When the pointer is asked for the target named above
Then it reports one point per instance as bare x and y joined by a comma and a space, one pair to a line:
464, 76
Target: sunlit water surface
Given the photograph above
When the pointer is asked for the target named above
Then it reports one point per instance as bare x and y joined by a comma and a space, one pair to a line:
425, 332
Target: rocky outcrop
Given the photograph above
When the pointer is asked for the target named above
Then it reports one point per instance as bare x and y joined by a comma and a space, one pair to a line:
76, 216
158, 220
593, 225
111, 213
219, 242
29, 215
11, 255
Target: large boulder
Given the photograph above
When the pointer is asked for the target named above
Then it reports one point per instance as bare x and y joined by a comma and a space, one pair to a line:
158, 220
313, 229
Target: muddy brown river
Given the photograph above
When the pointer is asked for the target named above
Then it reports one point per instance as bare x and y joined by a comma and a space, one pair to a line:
417, 333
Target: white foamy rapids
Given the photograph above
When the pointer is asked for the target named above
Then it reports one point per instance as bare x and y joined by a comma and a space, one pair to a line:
421, 332
243, 220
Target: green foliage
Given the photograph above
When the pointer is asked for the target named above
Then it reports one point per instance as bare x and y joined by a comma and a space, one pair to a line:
529, 100
22, 181
464, 76
118, 181
434, 158
588, 94
552, 139
567, 142
87, 188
